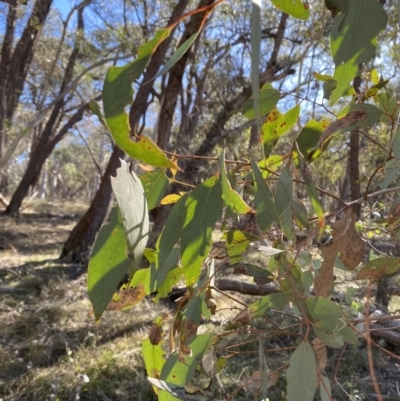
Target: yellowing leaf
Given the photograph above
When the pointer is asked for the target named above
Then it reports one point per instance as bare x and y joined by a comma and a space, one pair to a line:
169, 199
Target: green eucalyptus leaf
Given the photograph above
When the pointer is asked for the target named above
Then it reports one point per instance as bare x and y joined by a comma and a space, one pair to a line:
237, 243
329, 318
325, 389
179, 369
284, 189
171, 232
232, 199
265, 208
155, 184
202, 210
182, 49
277, 125
301, 376
268, 98
300, 213
295, 8
353, 40
108, 263
117, 94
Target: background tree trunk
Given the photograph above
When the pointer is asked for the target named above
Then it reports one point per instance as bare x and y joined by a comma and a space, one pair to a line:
45, 142
14, 65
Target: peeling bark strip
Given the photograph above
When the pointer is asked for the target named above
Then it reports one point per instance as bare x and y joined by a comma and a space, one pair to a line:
348, 242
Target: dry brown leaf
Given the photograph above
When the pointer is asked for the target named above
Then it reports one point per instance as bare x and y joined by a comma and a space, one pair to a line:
188, 330
126, 298
346, 121
210, 302
348, 242
155, 334
320, 351
242, 318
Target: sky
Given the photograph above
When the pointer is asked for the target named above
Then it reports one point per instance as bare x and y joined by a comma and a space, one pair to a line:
64, 6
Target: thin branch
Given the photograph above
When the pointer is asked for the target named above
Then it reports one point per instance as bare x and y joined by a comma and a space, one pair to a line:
369, 346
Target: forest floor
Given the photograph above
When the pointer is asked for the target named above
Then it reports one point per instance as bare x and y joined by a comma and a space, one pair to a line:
51, 348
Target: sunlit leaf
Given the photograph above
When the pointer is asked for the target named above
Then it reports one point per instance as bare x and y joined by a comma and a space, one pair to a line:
277, 125
296, 8
309, 137
170, 199
166, 285
132, 201
202, 210
180, 369
153, 357
127, 297
108, 264
237, 243
94, 106
301, 375
117, 94
154, 183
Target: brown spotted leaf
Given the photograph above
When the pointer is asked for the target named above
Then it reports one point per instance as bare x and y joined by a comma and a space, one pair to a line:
127, 298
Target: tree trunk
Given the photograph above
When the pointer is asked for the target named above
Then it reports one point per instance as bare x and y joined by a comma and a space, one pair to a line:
81, 239
47, 141
174, 86
38, 158
14, 66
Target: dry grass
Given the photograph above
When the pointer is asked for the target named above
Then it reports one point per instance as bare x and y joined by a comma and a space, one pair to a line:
50, 347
